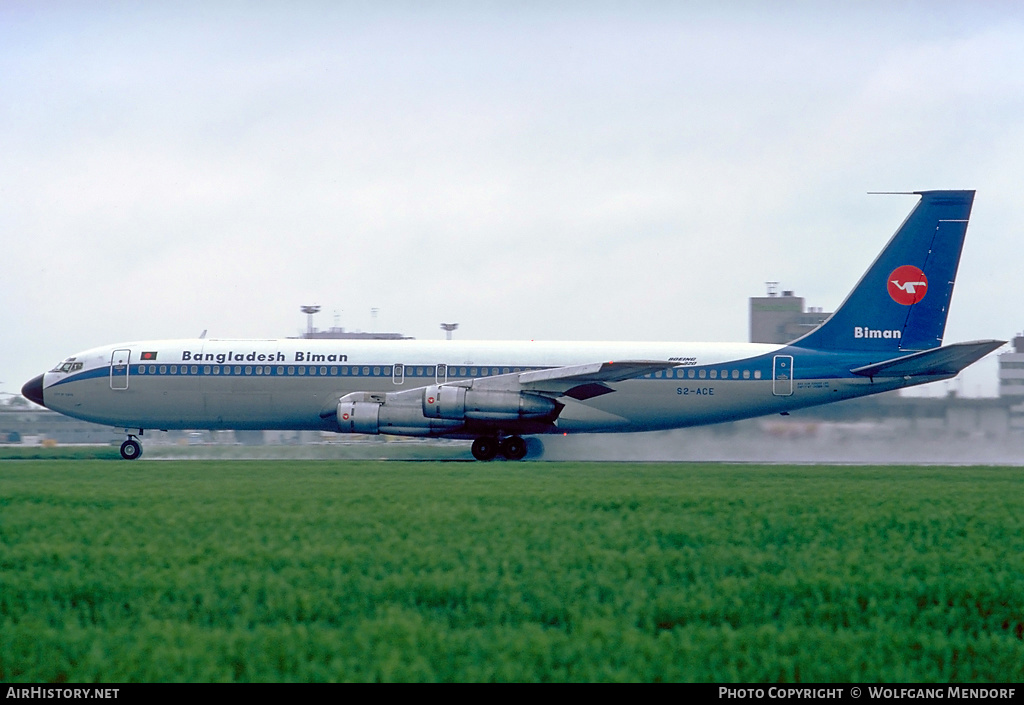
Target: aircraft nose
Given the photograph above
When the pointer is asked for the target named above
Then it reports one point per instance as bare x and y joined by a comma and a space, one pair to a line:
33, 390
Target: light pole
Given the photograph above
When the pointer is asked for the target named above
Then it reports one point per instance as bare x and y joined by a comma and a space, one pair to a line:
309, 311
448, 328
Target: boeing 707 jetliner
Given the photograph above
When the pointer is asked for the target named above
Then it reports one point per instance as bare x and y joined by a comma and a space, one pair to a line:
886, 335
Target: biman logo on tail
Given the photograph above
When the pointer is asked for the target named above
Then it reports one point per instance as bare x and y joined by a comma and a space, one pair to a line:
907, 285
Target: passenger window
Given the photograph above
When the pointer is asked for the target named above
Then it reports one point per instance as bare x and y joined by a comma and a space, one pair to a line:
703, 374
746, 374
714, 374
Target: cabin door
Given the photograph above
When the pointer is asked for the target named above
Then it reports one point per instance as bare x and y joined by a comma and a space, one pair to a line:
119, 361
782, 375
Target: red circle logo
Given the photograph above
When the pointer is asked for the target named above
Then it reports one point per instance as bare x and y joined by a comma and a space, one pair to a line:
907, 285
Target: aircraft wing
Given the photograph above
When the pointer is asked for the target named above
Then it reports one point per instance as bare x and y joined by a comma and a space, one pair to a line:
577, 381
947, 360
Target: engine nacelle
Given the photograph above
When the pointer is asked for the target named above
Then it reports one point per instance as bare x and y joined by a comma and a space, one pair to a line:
438, 409
358, 416
442, 401
393, 414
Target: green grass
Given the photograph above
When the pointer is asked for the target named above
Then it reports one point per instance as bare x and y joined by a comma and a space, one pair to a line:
360, 570
59, 453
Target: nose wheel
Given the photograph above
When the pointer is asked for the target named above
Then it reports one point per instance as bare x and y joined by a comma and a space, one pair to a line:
488, 447
131, 449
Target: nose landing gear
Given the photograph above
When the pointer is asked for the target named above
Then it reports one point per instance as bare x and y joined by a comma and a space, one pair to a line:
488, 447
131, 449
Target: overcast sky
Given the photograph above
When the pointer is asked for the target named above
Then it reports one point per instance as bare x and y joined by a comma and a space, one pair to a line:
532, 170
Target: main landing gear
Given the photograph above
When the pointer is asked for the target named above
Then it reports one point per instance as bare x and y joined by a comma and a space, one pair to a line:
131, 449
488, 447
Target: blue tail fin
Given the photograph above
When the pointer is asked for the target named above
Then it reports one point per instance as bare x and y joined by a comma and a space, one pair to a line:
901, 302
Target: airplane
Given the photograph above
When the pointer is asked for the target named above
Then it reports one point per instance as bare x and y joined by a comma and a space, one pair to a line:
886, 335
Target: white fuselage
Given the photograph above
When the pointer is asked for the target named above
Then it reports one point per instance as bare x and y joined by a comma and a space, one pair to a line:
296, 383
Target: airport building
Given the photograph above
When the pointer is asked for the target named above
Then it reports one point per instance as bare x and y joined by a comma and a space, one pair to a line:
338, 333
334, 333
24, 423
776, 318
1011, 381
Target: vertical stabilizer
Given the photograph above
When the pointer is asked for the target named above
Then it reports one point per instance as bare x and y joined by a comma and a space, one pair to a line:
901, 302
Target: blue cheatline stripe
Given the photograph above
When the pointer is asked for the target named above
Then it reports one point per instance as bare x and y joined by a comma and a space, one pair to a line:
185, 370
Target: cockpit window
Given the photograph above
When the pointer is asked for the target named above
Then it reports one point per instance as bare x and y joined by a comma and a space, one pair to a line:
68, 366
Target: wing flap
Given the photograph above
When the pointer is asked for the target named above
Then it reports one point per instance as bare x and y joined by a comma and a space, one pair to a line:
947, 360
588, 380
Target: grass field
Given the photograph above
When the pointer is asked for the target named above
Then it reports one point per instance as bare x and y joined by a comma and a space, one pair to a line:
359, 570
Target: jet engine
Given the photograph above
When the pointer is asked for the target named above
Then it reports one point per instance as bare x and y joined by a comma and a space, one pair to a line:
440, 409
442, 401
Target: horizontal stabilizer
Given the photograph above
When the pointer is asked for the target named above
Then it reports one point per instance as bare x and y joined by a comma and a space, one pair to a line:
948, 360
